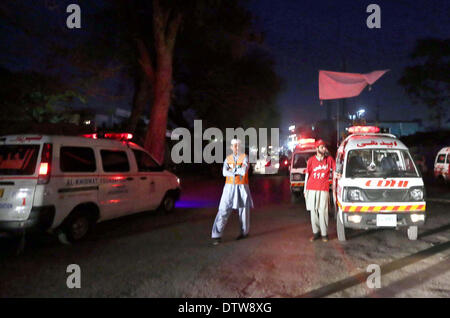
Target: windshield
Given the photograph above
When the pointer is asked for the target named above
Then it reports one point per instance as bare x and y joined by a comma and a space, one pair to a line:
18, 159
380, 163
300, 160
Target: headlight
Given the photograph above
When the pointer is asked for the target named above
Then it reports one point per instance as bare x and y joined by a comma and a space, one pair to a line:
178, 181
353, 195
416, 194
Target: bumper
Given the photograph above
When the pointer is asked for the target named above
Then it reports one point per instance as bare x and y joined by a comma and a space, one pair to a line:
297, 186
39, 220
369, 220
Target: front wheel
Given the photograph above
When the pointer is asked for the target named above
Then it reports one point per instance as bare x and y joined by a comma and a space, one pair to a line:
340, 228
168, 203
295, 197
412, 232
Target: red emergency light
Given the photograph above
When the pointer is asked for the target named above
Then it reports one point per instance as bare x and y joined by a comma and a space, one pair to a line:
119, 136
116, 136
363, 129
93, 136
306, 141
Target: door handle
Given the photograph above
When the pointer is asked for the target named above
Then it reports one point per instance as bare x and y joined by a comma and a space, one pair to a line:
143, 178
130, 179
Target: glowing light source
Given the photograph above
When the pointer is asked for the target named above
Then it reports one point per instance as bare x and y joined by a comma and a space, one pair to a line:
363, 129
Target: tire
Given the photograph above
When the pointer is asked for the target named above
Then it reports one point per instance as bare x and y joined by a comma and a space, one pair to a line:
76, 227
295, 197
412, 232
340, 229
168, 203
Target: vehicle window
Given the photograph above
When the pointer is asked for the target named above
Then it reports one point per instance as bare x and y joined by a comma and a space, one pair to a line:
441, 159
380, 163
448, 158
339, 163
300, 160
18, 159
114, 161
77, 159
145, 162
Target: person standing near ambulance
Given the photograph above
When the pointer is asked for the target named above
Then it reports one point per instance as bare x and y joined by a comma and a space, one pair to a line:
316, 190
236, 194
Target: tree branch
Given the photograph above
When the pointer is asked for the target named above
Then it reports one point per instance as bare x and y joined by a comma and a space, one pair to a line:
145, 61
172, 30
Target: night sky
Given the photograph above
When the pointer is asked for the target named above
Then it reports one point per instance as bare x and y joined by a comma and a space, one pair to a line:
303, 36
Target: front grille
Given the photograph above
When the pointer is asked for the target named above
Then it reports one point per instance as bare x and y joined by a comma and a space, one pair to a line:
298, 177
386, 195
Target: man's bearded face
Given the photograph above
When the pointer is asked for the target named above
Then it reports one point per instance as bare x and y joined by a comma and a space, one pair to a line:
321, 150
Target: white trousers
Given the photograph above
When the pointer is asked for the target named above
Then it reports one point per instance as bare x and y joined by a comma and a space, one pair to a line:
317, 203
222, 218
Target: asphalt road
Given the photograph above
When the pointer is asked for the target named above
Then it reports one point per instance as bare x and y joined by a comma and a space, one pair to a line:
156, 255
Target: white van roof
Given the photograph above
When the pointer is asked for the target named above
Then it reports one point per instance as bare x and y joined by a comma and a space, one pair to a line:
78, 140
371, 141
445, 149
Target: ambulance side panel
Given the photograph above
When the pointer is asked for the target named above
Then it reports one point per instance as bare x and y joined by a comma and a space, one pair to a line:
70, 185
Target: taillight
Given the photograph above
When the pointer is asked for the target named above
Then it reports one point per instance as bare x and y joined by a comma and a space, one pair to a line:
268, 163
45, 165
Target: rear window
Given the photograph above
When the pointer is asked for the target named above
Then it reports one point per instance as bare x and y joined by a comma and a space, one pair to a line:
441, 159
77, 159
144, 162
18, 159
114, 161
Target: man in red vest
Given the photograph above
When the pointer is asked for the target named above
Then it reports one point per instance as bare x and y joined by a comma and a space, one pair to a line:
236, 194
316, 190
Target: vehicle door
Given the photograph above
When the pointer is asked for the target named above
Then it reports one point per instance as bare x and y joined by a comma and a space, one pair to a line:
152, 183
117, 188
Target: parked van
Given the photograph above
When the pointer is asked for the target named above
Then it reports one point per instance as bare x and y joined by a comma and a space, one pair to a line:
442, 165
377, 184
303, 151
66, 184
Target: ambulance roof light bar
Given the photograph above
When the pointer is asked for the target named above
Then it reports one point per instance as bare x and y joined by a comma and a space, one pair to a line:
363, 129
116, 136
306, 141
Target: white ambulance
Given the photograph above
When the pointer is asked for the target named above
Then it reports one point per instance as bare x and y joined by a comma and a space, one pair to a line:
302, 152
442, 165
65, 184
377, 184
305, 149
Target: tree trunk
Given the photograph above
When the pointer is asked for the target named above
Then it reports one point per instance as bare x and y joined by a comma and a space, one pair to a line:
156, 133
141, 98
166, 22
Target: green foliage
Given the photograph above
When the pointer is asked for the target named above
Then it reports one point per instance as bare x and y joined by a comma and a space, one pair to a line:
428, 81
31, 96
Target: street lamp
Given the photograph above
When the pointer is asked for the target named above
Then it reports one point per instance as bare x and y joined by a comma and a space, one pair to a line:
360, 112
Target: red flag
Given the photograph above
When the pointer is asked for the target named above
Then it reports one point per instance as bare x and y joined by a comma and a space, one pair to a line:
333, 85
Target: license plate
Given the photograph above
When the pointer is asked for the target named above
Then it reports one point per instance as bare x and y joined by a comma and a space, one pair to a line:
1, 192
386, 220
